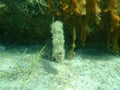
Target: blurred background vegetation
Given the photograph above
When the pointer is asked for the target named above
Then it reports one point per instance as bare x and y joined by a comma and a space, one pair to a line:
25, 21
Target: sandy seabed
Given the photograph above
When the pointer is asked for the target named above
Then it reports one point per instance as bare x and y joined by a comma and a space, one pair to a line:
90, 69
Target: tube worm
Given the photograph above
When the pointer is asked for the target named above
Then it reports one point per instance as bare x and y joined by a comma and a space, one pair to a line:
57, 31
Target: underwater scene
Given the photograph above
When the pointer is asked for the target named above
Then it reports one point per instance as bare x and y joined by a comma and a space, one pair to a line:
59, 44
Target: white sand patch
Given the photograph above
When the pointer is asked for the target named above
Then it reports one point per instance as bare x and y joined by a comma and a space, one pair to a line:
85, 72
